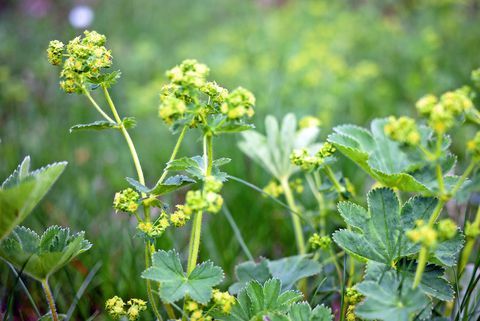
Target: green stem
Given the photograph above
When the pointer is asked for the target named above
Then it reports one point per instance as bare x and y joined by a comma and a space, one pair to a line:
297, 224
336, 184
97, 107
467, 250
337, 265
194, 244
464, 176
441, 184
320, 200
174, 153
151, 298
50, 300
422, 257
422, 261
125, 134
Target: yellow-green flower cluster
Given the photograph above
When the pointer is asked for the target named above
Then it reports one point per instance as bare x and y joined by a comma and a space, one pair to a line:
273, 189
208, 199
429, 236
442, 112
195, 311
319, 242
85, 58
126, 201
352, 298
117, 308
155, 229
181, 216
326, 150
473, 146
238, 104
309, 121
303, 159
472, 230
223, 300
191, 97
403, 130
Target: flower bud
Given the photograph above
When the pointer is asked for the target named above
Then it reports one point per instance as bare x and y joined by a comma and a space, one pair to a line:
126, 201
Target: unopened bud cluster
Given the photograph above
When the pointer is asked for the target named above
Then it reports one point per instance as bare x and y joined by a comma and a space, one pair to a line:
429, 236
319, 242
308, 162
442, 112
189, 97
126, 201
352, 298
403, 130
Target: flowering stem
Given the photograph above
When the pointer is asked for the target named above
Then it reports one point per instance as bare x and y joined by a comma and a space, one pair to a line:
320, 200
336, 184
97, 107
297, 225
464, 176
174, 153
50, 300
194, 244
467, 250
422, 257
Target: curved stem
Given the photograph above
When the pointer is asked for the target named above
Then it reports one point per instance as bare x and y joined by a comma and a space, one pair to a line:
174, 153
127, 137
467, 250
463, 178
336, 184
297, 225
320, 200
50, 299
97, 107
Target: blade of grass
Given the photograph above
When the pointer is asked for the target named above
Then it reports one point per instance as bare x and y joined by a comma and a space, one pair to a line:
24, 288
237, 232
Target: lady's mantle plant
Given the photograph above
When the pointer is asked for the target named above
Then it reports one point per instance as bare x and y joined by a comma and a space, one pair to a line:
405, 246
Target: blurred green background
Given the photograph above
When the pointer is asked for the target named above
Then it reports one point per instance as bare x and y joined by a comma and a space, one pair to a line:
343, 61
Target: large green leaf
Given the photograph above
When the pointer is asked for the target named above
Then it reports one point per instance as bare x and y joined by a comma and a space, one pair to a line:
41, 256
195, 167
303, 312
175, 284
272, 151
379, 233
288, 270
22, 191
386, 161
257, 301
388, 299
433, 282
291, 269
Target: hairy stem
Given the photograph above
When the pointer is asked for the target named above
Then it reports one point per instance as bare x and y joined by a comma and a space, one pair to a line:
50, 299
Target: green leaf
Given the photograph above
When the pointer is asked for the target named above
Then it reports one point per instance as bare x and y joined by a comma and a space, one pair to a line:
272, 151
230, 128
250, 271
257, 301
22, 191
303, 312
433, 283
379, 233
195, 167
386, 160
129, 122
291, 269
175, 284
42, 256
171, 184
107, 79
390, 300
96, 125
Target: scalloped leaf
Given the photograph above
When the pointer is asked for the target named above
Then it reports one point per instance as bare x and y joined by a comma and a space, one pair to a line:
379, 233
23, 190
433, 283
171, 184
195, 167
248, 271
96, 125
272, 151
42, 256
388, 299
175, 284
303, 312
257, 301
386, 161
291, 269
